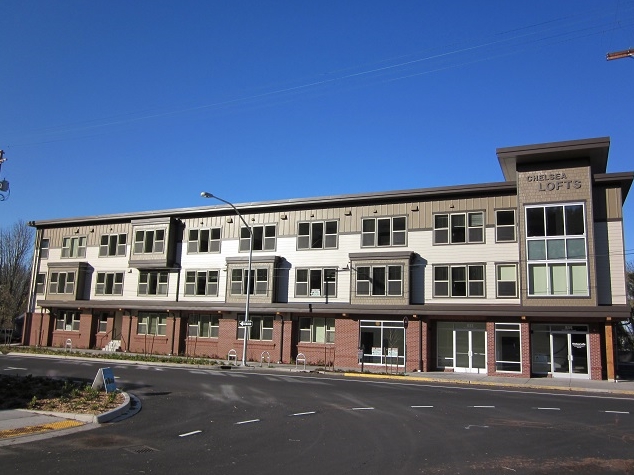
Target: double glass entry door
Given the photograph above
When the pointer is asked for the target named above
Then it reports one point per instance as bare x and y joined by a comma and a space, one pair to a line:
570, 353
470, 350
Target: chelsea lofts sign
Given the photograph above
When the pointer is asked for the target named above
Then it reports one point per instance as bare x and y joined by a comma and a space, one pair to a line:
553, 181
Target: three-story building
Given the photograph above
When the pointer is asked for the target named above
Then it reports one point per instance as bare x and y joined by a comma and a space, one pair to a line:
522, 277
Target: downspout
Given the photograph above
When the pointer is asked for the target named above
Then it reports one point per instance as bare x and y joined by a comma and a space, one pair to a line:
420, 344
281, 340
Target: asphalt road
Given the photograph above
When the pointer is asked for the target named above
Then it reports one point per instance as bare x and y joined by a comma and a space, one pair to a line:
255, 422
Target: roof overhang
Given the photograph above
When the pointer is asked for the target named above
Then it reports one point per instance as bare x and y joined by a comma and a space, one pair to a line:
595, 150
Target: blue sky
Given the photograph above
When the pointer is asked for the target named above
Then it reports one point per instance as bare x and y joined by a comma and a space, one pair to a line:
122, 106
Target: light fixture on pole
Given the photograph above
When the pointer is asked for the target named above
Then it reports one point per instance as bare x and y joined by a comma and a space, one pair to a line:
246, 323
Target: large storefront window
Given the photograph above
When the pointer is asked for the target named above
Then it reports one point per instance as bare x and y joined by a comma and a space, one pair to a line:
508, 347
383, 342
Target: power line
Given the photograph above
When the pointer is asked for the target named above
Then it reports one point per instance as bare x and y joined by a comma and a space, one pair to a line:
530, 35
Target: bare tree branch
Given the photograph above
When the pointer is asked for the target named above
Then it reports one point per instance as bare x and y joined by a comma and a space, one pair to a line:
15, 252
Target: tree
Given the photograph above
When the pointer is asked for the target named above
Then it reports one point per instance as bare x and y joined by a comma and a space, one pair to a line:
15, 252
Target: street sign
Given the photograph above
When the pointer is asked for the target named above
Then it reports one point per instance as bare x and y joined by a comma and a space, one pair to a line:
248, 323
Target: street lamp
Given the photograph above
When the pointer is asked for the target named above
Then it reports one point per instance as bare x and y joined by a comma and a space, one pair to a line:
205, 194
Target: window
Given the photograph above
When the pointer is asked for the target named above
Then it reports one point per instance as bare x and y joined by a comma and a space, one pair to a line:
202, 326
109, 283
316, 282
258, 281
40, 283
203, 240
378, 232
379, 280
67, 321
44, 247
316, 330
262, 329
153, 282
459, 281
508, 347
61, 283
202, 282
103, 323
505, 225
459, 228
149, 323
317, 235
151, 241
73, 247
556, 250
113, 245
263, 238
506, 280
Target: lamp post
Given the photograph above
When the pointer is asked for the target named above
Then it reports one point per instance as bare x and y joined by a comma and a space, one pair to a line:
245, 326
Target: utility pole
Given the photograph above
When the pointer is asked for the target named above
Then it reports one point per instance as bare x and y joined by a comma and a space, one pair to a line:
628, 53
4, 184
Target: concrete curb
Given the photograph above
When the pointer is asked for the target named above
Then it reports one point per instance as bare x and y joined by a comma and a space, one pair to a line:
114, 413
88, 418
504, 384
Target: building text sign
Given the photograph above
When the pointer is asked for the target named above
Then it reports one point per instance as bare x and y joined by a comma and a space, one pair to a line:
554, 181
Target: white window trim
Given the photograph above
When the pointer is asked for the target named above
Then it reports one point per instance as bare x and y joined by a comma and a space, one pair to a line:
324, 282
387, 293
497, 280
213, 244
208, 284
566, 262
325, 235
467, 228
467, 281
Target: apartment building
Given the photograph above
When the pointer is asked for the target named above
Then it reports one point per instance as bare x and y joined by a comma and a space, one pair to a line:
524, 277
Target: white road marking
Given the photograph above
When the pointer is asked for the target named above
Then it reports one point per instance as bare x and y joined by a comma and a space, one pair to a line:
616, 412
484, 407
11, 368
415, 407
470, 426
548, 409
191, 433
303, 413
247, 422
362, 409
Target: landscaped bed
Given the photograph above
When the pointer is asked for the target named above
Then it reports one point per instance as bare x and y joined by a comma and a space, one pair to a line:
58, 395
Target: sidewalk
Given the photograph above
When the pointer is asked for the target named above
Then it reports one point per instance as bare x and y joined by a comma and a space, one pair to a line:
19, 426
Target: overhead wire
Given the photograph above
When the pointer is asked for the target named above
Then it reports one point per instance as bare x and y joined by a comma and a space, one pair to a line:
529, 35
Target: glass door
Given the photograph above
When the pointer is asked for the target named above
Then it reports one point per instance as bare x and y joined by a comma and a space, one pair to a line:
570, 354
561, 354
470, 353
579, 353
